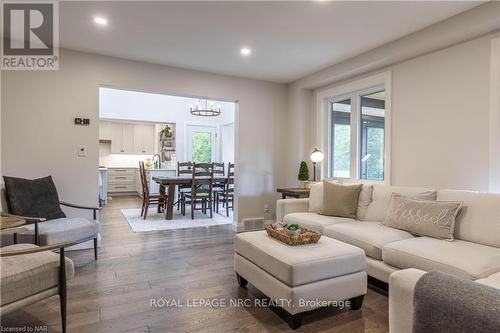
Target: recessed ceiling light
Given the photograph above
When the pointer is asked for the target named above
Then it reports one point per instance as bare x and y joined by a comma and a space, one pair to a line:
245, 51
100, 20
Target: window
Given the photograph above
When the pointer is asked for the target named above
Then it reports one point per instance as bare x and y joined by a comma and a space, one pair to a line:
201, 143
202, 147
358, 135
372, 136
341, 139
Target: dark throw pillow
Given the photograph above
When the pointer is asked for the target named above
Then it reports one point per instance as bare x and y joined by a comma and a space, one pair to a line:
33, 197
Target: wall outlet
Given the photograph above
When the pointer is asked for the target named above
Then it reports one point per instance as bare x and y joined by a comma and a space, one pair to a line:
266, 208
82, 150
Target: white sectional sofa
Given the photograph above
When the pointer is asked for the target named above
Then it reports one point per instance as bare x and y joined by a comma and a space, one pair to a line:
474, 254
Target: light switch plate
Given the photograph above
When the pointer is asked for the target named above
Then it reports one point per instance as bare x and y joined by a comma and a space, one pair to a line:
82, 150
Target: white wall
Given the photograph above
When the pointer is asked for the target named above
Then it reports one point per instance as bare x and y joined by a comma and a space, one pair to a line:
39, 138
228, 143
153, 107
495, 116
440, 92
440, 118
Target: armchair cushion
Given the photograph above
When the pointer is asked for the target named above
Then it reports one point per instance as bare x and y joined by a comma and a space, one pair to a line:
63, 230
28, 274
33, 197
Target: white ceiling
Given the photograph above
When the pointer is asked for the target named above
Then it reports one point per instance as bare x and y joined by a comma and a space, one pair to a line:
288, 39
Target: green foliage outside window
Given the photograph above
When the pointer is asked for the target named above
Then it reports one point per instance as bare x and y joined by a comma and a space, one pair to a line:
202, 147
375, 148
342, 150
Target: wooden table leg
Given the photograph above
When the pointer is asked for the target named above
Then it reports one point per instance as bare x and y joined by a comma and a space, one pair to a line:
162, 197
170, 202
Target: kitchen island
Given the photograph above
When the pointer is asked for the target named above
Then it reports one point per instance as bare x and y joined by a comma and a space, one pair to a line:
126, 180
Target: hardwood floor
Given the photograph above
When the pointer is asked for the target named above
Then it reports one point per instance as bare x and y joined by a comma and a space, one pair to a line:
114, 294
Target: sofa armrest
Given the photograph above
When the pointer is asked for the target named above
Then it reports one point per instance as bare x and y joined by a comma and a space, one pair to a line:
401, 287
287, 206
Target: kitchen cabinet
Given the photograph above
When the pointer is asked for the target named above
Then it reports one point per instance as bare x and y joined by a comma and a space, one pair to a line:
144, 139
104, 130
121, 180
122, 138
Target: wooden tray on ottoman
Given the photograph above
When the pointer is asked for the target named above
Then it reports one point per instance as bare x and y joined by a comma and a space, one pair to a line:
306, 236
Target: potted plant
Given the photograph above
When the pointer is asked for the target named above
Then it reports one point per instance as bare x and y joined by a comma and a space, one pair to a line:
165, 132
303, 174
291, 230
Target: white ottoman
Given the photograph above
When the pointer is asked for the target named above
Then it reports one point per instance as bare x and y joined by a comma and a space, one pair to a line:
306, 276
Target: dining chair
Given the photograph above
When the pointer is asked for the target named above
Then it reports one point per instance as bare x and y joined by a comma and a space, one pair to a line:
227, 196
183, 169
201, 189
218, 171
147, 198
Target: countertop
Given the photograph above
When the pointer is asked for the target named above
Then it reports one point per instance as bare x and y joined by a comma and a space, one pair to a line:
162, 169
129, 167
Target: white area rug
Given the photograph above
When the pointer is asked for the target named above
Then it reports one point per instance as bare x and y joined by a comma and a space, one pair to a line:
156, 221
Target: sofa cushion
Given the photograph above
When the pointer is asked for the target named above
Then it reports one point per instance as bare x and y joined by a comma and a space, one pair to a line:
340, 200
33, 197
65, 229
381, 196
479, 220
370, 236
316, 198
364, 200
493, 280
297, 265
423, 217
464, 259
28, 274
313, 221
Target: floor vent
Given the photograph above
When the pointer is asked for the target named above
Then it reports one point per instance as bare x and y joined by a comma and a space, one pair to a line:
253, 223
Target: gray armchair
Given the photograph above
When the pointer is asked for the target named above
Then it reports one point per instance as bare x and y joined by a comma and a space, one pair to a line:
41, 231
37, 201
30, 273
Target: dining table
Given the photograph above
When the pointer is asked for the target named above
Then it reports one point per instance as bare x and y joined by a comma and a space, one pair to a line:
168, 185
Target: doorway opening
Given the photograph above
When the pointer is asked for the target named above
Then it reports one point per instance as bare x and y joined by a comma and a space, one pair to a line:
166, 134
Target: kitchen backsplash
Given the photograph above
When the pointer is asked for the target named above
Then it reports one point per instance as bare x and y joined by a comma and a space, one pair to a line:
120, 160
